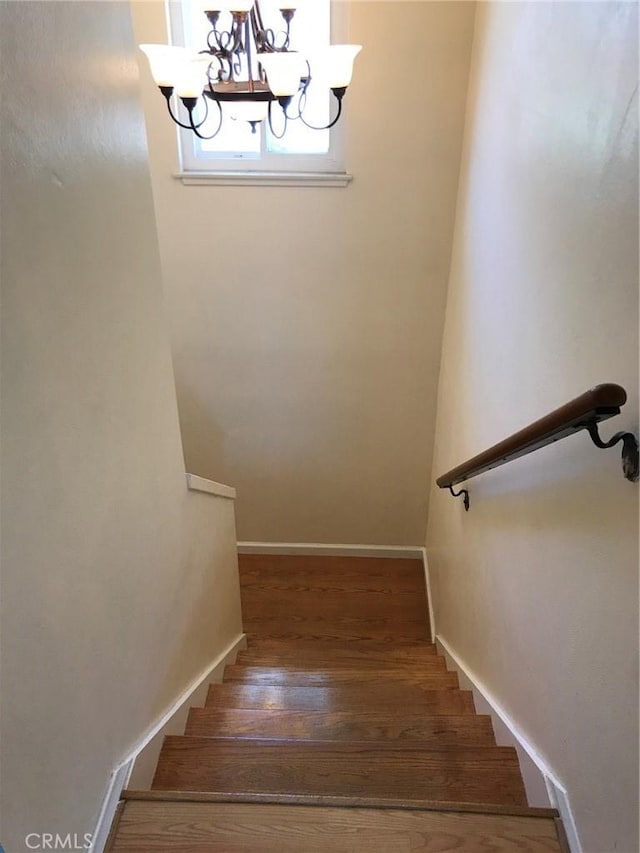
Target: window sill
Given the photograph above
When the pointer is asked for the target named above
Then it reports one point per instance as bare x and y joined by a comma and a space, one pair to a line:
266, 179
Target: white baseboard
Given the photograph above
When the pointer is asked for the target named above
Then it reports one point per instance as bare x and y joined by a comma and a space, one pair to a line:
542, 784
410, 552
149, 744
427, 580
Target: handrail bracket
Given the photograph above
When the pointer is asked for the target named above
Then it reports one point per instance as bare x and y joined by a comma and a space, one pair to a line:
630, 463
465, 497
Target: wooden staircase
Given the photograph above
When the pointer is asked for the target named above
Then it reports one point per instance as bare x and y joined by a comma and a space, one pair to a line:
338, 729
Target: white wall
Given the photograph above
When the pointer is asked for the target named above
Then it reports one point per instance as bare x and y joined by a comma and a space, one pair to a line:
306, 323
118, 586
536, 588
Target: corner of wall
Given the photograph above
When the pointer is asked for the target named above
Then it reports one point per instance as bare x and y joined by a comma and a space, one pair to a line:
136, 770
541, 783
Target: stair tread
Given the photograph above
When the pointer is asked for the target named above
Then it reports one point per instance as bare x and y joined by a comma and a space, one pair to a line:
321, 677
477, 774
460, 729
342, 698
192, 827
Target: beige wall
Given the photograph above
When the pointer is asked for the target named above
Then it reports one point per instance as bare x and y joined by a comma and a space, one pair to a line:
536, 588
306, 323
118, 586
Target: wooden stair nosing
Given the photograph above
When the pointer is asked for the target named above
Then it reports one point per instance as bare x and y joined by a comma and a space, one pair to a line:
322, 644
460, 729
339, 698
321, 801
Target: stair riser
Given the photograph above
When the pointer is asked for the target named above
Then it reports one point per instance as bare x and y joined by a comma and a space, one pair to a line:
346, 629
335, 605
335, 574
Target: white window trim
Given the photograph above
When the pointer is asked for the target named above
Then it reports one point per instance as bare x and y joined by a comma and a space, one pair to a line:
228, 178
299, 170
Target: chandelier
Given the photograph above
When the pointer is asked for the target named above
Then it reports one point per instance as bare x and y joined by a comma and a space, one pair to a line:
248, 67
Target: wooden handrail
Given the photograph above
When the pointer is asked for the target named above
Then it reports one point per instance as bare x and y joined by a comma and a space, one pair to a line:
585, 412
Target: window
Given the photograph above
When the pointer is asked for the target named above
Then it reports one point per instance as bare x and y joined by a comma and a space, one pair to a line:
236, 154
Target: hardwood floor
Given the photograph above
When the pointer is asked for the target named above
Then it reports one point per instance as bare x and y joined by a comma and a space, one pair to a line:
339, 728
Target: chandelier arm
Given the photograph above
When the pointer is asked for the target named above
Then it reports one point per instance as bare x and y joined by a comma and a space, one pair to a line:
238, 44
286, 119
331, 123
266, 37
167, 91
195, 127
257, 28
235, 53
213, 36
269, 39
220, 70
214, 33
302, 97
285, 46
225, 72
299, 106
